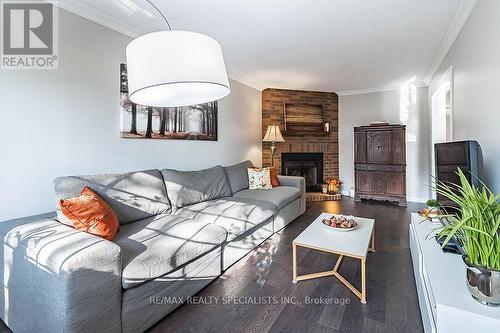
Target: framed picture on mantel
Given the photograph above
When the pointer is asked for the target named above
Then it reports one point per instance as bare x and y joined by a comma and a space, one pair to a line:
194, 122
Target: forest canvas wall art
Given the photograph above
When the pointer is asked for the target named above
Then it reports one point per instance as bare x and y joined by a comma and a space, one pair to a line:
195, 122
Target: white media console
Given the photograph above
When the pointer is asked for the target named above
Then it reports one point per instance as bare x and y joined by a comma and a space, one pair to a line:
445, 303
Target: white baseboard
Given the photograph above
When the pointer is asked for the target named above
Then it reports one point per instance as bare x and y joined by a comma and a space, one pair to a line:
345, 193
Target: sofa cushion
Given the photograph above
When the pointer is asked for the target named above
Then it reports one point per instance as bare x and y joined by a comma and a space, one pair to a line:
190, 187
132, 196
236, 215
158, 245
237, 175
280, 196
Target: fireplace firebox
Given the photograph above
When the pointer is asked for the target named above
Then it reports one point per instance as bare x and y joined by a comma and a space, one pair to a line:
307, 165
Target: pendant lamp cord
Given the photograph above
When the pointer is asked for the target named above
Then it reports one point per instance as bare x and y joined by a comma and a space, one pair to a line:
159, 11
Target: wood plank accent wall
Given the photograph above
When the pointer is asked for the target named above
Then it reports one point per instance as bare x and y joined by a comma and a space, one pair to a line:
310, 142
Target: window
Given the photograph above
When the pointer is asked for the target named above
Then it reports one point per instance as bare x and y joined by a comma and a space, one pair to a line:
442, 113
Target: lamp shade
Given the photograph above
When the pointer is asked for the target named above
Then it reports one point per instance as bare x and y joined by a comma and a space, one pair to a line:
175, 68
273, 134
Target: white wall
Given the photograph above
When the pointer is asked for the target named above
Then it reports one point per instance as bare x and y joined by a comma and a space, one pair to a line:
66, 122
475, 57
361, 109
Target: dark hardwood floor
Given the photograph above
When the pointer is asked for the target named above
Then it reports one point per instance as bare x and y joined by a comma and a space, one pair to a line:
265, 274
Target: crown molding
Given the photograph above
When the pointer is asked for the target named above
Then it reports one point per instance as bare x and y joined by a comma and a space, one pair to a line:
78, 8
456, 25
375, 90
365, 91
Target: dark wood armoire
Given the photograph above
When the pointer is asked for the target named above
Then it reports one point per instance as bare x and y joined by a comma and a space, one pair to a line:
380, 163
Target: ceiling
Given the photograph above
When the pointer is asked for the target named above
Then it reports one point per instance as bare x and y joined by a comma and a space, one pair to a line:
347, 46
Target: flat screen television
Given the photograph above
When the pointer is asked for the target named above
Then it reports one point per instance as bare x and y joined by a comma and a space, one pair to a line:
466, 155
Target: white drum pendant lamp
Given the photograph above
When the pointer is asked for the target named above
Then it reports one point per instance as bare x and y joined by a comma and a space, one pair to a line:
175, 68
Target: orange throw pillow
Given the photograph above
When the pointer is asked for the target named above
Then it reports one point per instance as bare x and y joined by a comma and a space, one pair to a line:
90, 214
275, 182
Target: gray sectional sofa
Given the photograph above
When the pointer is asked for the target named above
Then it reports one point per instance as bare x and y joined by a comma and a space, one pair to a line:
179, 230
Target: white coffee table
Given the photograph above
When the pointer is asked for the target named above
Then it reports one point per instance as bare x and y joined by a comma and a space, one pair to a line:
354, 244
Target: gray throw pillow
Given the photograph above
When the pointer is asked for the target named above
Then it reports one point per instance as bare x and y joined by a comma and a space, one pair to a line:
237, 176
190, 187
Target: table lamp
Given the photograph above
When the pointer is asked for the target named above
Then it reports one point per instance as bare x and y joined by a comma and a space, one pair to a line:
273, 135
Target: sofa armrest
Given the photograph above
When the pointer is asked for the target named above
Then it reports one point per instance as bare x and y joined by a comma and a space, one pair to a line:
299, 182
58, 279
293, 181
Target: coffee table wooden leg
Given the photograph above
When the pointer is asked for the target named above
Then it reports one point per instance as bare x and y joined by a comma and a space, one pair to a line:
294, 262
361, 294
337, 264
372, 246
363, 280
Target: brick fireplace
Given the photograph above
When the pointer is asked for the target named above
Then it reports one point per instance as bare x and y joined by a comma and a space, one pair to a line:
311, 141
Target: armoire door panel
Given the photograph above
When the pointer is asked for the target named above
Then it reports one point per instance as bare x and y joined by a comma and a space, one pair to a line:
364, 182
398, 147
378, 183
395, 184
360, 147
379, 147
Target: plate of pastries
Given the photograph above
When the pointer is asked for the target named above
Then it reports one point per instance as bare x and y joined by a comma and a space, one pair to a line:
433, 214
340, 223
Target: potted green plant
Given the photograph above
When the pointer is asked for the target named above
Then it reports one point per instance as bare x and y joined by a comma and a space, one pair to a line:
432, 212
432, 204
476, 227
